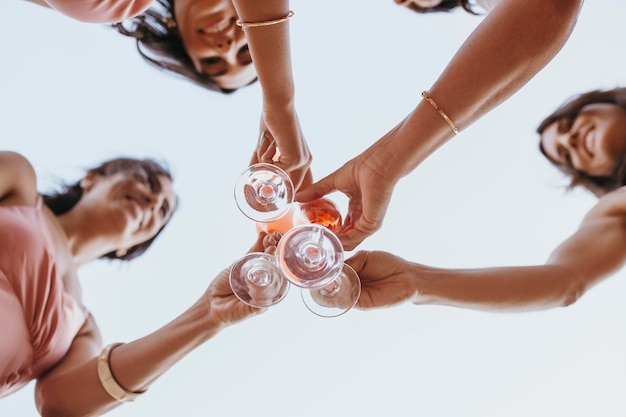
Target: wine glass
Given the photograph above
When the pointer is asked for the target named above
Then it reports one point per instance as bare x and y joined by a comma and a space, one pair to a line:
257, 281
311, 257
264, 192
336, 297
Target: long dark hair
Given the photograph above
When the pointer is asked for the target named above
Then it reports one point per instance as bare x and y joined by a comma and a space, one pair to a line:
159, 43
444, 6
64, 200
568, 111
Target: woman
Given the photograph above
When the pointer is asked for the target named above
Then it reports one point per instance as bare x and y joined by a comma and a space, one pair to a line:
585, 137
48, 335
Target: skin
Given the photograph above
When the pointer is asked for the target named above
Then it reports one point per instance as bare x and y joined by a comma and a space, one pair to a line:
518, 38
592, 143
115, 212
593, 253
215, 44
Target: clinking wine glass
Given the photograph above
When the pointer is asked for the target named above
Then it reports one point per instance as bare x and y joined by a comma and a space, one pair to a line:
264, 192
257, 281
311, 257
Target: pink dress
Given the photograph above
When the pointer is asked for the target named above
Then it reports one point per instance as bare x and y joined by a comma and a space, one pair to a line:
38, 319
100, 11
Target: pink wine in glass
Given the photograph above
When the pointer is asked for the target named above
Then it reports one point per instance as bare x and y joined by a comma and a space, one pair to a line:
320, 211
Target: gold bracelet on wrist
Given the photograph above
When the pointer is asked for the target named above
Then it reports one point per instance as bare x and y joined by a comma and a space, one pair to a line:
110, 385
245, 25
442, 113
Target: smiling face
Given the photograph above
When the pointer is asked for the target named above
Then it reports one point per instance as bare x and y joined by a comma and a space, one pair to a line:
128, 207
592, 142
216, 46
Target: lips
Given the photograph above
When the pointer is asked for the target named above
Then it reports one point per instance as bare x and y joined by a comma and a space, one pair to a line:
586, 140
220, 27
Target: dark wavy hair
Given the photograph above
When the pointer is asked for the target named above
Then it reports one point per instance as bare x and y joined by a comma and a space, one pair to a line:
159, 43
64, 200
444, 6
568, 111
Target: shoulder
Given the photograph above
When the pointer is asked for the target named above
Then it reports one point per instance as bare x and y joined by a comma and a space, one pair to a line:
18, 181
612, 204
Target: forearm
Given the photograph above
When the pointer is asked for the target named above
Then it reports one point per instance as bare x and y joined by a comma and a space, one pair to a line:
134, 365
512, 44
499, 289
270, 49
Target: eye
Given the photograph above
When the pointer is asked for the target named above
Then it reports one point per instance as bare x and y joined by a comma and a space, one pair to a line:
565, 156
565, 124
243, 55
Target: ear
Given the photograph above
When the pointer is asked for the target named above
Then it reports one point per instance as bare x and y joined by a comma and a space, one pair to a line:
87, 183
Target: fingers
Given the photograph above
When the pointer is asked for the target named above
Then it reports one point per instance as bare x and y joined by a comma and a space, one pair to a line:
352, 239
318, 190
259, 244
270, 241
266, 149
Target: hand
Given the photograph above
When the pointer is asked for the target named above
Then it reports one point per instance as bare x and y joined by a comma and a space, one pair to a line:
369, 193
224, 307
282, 143
386, 279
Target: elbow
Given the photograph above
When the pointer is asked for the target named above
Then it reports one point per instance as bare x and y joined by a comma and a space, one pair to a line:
573, 294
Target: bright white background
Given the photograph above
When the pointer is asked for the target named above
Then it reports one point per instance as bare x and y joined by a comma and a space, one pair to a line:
73, 94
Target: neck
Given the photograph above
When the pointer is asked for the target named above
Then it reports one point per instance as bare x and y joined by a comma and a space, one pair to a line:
84, 245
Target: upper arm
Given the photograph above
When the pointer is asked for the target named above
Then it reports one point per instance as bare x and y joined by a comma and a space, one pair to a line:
85, 346
598, 248
17, 179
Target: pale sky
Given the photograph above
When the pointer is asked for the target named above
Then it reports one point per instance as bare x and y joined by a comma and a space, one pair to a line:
73, 94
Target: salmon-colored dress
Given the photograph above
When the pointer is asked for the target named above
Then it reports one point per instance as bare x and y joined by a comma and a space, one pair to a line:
38, 319
100, 11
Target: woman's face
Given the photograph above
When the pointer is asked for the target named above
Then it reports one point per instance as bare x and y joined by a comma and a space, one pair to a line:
591, 143
128, 208
216, 45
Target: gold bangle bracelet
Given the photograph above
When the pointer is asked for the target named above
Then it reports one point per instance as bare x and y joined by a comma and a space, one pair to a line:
441, 112
245, 25
110, 385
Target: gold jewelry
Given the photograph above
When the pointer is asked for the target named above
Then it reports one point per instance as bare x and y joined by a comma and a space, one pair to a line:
170, 23
441, 112
110, 385
245, 25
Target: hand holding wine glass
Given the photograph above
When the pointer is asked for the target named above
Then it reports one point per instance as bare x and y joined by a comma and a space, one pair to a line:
224, 307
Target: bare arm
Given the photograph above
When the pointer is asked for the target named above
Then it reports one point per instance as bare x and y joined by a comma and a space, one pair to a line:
512, 44
137, 364
271, 54
594, 252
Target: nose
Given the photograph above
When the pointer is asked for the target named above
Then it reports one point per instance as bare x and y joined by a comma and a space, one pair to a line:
224, 44
569, 140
